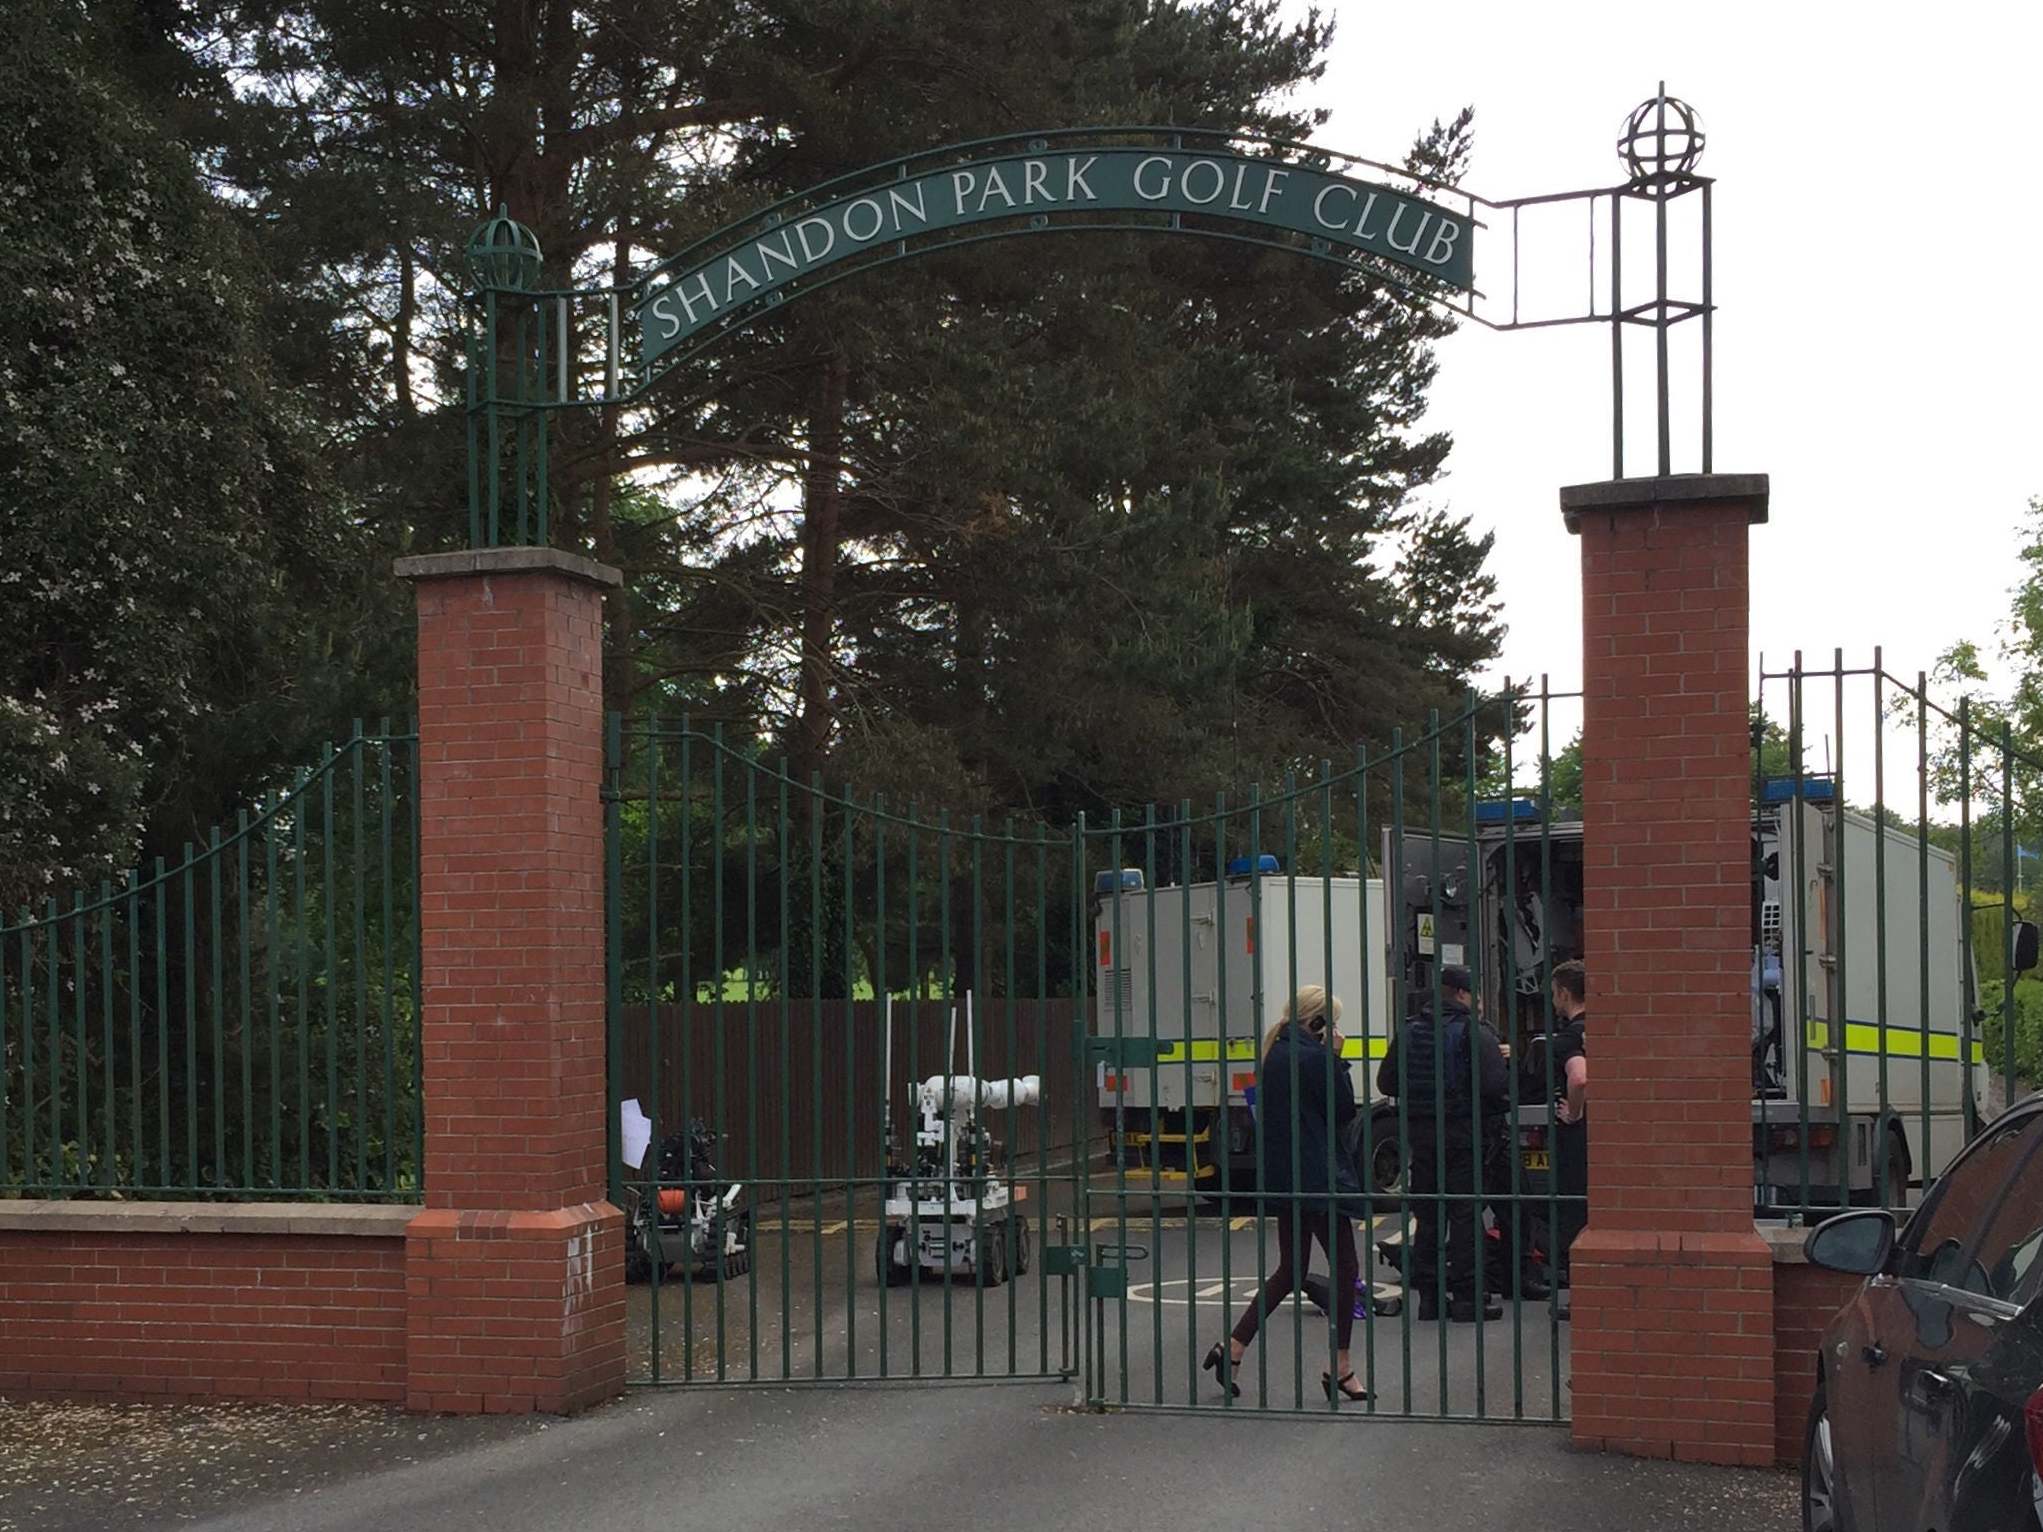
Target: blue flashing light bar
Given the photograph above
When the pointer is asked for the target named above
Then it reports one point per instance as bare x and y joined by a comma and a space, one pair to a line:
1506, 810
1129, 880
1239, 867
1782, 790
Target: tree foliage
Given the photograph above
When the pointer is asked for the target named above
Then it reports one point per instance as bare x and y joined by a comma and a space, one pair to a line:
1089, 521
1081, 523
184, 599
1986, 753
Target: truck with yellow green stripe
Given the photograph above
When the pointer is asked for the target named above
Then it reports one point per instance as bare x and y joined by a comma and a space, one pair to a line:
1865, 1061
1866, 1066
1186, 980
1867, 1069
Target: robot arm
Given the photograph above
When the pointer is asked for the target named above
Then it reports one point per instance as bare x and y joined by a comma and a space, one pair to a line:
963, 1095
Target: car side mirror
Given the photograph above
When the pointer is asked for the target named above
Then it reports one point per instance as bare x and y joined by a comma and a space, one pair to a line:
2026, 938
1857, 1244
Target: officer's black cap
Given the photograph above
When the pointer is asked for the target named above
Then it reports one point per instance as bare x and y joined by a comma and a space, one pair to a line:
1454, 977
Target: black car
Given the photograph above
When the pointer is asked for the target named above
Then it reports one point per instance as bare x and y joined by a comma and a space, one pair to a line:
1928, 1414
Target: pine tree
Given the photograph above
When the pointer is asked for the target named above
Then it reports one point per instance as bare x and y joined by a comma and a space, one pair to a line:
1092, 520
182, 595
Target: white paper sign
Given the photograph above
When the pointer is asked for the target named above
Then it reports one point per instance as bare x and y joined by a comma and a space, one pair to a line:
635, 1133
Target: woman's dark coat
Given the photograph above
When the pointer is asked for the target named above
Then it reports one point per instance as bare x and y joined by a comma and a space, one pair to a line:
1311, 1125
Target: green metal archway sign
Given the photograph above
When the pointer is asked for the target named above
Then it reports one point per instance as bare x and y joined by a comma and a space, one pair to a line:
1010, 193
533, 351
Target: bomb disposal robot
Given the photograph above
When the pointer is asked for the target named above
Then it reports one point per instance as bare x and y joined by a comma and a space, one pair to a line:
949, 1209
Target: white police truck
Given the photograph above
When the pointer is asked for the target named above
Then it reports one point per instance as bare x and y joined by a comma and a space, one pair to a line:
1866, 1058
1187, 979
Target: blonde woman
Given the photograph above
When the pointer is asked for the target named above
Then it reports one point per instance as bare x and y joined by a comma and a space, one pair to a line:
1300, 1075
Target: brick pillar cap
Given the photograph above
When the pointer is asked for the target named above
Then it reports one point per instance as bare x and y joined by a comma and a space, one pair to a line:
503, 561
1669, 490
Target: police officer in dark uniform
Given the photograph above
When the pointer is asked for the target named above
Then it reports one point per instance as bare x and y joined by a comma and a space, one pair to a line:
1428, 1066
1518, 1226
1571, 1111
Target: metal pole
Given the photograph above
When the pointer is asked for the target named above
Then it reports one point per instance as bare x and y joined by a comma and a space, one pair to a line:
560, 350
1709, 396
1886, 1192
1922, 898
1965, 1011
2007, 910
1840, 1017
1617, 335
610, 358
1660, 280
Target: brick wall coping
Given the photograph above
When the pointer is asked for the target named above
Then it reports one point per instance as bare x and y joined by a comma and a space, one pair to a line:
1788, 1242
376, 1221
521, 560
1670, 489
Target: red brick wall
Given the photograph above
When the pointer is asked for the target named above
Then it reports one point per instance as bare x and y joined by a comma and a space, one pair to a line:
515, 1312
506, 1292
1806, 1298
1675, 1360
122, 1315
1673, 1288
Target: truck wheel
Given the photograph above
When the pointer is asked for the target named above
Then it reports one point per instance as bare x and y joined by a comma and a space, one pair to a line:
1893, 1163
1896, 1162
1386, 1167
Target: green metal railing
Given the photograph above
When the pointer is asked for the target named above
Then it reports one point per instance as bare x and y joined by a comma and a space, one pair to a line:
1893, 1033
238, 1023
763, 930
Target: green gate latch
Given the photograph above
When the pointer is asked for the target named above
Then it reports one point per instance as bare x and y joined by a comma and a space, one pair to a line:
1063, 1260
1110, 1269
1108, 1282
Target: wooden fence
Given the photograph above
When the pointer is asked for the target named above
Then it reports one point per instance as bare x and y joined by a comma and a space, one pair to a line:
795, 1086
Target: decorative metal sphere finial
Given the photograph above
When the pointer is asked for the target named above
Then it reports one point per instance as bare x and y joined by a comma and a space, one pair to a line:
1661, 141
503, 254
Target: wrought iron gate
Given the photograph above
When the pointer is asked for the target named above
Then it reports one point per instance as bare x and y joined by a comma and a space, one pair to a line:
1895, 1002
1371, 883
796, 972
790, 967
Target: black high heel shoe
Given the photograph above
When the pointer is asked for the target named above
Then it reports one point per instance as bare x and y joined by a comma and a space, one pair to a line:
1356, 1395
1221, 1365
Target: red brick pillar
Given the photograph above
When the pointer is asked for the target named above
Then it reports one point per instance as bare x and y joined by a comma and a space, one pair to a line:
1673, 1288
515, 1267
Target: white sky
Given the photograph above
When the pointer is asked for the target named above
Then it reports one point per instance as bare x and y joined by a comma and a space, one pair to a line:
1866, 156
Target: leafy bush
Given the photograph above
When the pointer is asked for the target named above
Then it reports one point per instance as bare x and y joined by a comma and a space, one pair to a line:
2028, 1028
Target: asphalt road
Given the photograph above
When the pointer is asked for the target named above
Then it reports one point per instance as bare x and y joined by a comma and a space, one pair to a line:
982, 1453
973, 1447
811, 1306
995, 1457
